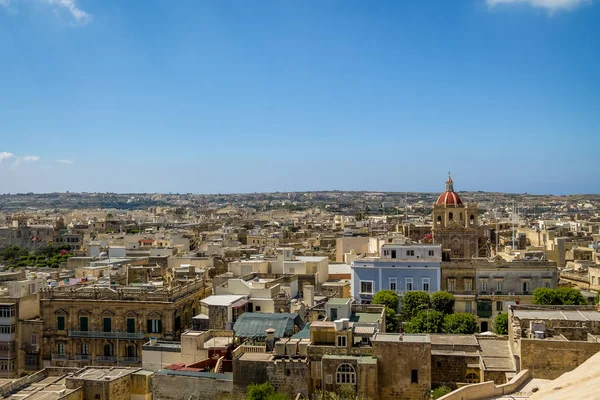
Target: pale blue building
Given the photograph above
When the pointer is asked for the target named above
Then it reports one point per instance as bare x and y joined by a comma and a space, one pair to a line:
401, 267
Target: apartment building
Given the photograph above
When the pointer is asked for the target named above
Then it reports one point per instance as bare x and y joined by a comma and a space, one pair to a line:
402, 267
107, 325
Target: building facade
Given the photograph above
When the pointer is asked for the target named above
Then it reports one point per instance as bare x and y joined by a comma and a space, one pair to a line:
402, 268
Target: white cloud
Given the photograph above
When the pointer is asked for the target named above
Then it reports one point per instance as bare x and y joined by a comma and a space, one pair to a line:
80, 16
550, 5
70, 7
65, 161
5, 154
31, 158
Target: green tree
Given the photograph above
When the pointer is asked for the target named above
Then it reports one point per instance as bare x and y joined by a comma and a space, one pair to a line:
442, 302
460, 323
263, 391
388, 298
392, 321
440, 391
570, 296
501, 324
413, 302
545, 296
426, 321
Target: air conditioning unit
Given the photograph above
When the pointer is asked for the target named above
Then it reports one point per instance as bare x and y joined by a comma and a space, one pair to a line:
511, 293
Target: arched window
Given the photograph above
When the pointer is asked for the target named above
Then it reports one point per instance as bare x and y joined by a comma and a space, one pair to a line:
472, 378
450, 216
345, 374
472, 219
439, 219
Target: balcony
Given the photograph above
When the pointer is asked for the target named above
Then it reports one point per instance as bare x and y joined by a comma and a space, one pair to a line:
106, 359
63, 357
107, 335
82, 357
130, 360
30, 348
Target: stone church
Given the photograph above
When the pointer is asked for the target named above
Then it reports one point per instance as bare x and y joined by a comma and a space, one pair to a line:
455, 224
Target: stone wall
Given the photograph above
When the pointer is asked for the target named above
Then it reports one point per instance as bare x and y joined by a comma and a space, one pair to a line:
175, 387
395, 361
247, 372
289, 376
548, 359
450, 369
218, 317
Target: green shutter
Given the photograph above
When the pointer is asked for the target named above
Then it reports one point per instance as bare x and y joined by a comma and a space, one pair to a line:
61, 323
83, 324
130, 325
149, 326
107, 325
159, 326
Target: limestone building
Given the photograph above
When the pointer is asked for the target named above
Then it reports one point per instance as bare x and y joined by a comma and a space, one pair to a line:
455, 224
101, 325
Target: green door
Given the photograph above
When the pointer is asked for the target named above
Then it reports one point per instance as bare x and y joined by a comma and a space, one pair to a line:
130, 325
83, 324
107, 325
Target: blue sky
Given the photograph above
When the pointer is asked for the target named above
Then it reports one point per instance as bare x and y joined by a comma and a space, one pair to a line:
238, 96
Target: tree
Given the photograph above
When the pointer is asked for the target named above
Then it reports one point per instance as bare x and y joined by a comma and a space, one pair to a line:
440, 391
501, 324
413, 302
392, 321
388, 298
545, 296
570, 296
442, 302
460, 323
264, 391
426, 321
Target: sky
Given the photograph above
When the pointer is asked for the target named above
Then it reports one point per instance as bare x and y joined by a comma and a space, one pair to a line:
219, 96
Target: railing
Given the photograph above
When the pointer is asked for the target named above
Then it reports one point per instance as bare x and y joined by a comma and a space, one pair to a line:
122, 293
106, 335
60, 356
106, 359
130, 360
247, 348
30, 348
82, 357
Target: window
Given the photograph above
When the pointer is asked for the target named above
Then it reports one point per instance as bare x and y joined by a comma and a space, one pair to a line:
61, 348
451, 284
498, 306
450, 216
107, 324
393, 253
85, 349
60, 322
7, 312
131, 351
108, 350
410, 252
439, 219
394, 284
414, 376
547, 284
472, 219
257, 308
499, 286
408, 284
83, 324
366, 286
154, 326
345, 374
130, 325
34, 339
341, 341
525, 287
468, 307
467, 285
426, 284
292, 270
386, 253
484, 286
431, 253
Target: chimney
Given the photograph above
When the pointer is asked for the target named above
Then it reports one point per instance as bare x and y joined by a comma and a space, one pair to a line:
270, 342
309, 295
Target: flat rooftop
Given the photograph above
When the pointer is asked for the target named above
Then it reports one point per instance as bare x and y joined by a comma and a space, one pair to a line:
397, 337
105, 374
221, 299
339, 301
569, 315
446, 339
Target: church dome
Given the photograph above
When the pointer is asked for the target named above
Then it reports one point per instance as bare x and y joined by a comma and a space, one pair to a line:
449, 197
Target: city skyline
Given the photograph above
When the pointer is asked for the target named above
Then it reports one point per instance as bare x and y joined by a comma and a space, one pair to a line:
220, 97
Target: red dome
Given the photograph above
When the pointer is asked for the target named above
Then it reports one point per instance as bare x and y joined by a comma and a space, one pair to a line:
449, 199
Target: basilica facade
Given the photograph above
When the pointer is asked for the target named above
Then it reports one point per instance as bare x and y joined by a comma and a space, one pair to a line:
455, 224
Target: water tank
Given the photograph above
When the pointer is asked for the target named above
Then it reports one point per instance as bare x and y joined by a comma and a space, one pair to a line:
339, 324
